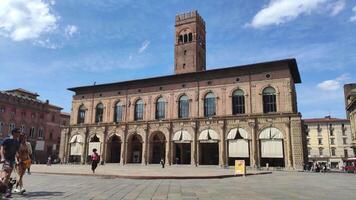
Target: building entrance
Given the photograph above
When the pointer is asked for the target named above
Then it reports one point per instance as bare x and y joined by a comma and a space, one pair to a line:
209, 153
134, 149
157, 148
114, 149
182, 152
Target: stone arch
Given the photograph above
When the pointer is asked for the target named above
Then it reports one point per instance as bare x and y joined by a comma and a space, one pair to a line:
203, 94
182, 140
157, 147
269, 85
155, 99
238, 141
208, 146
185, 31
272, 147
266, 126
76, 148
116, 102
113, 152
134, 148
231, 92
183, 94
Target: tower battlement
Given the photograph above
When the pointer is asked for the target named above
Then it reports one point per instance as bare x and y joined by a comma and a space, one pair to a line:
189, 17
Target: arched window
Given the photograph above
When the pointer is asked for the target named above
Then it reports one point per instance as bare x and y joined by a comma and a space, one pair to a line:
209, 105
139, 110
99, 112
238, 102
81, 114
180, 39
183, 111
160, 108
185, 38
269, 100
190, 37
118, 112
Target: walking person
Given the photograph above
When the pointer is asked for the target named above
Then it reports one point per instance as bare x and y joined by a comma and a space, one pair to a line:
162, 162
8, 151
29, 146
95, 159
23, 162
49, 160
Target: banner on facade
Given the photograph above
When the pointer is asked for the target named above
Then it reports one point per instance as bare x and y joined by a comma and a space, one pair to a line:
39, 145
94, 145
240, 167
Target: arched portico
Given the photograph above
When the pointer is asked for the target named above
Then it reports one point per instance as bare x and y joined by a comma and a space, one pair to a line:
182, 147
208, 142
134, 148
113, 152
76, 149
271, 147
157, 147
238, 146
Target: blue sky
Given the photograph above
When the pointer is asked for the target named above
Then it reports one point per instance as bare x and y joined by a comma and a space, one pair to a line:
48, 46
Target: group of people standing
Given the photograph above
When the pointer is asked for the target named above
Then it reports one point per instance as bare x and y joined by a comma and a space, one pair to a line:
15, 153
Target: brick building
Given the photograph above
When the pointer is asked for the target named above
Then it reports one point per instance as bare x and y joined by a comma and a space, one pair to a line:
194, 117
39, 120
350, 105
328, 140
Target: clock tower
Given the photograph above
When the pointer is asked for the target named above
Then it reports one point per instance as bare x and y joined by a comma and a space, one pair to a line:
189, 50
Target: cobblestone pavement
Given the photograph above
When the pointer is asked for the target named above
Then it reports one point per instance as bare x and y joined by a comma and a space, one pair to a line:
279, 185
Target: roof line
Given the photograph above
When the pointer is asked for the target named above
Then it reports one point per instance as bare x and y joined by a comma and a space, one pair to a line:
291, 63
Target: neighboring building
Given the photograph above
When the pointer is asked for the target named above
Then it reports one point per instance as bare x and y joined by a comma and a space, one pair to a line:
328, 140
350, 104
196, 117
39, 120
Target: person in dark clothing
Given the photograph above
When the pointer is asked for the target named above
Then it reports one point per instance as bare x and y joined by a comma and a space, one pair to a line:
162, 162
95, 159
9, 149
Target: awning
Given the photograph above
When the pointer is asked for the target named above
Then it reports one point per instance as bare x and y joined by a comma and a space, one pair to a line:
76, 138
237, 133
271, 134
208, 134
76, 149
182, 136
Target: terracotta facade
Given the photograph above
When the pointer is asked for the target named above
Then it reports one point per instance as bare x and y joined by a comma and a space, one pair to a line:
201, 139
39, 120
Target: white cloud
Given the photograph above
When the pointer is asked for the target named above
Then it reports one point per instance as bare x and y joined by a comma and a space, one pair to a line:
353, 18
144, 46
70, 30
46, 44
26, 19
333, 84
337, 7
281, 11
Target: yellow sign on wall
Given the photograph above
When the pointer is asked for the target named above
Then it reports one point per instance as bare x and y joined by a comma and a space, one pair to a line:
240, 167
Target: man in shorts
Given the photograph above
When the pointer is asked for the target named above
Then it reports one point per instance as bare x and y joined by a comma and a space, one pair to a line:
8, 151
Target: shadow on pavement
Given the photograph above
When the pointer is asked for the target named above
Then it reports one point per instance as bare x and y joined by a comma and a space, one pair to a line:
42, 194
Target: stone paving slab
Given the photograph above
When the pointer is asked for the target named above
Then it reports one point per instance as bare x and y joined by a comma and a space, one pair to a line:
142, 172
278, 185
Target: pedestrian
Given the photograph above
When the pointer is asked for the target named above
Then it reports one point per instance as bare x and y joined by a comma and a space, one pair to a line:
49, 161
23, 161
8, 151
29, 146
95, 159
162, 162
